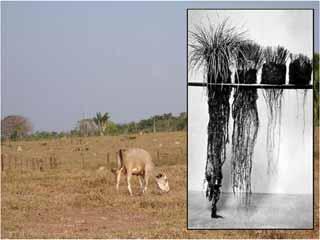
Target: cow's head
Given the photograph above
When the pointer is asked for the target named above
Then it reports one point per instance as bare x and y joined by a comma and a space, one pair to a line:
162, 182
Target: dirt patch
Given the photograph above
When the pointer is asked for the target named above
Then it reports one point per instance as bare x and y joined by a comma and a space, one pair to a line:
88, 223
75, 202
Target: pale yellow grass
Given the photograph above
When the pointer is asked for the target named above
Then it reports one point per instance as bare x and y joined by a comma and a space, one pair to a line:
77, 201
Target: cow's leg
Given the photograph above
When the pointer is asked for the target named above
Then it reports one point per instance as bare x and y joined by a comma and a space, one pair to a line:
129, 174
118, 178
141, 181
146, 179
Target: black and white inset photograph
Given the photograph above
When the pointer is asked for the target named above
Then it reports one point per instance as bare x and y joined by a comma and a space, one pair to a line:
250, 119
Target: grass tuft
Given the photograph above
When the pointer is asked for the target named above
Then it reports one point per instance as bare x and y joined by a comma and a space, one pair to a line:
251, 56
301, 59
278, 55
215, 48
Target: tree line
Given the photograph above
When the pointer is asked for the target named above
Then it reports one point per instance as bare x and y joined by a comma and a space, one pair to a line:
17, 127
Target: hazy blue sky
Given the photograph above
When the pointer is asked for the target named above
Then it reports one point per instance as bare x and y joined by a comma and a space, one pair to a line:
61, 60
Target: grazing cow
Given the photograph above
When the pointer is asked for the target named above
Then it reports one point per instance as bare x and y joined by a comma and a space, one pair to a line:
136, 161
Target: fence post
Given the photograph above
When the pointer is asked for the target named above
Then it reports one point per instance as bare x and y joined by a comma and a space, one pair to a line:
15, 162
50, 162
108, 160
158, 155
41, 164
55, 161
2, 162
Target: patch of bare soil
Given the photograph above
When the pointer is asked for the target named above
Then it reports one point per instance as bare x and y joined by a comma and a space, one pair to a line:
88, 223
74, 201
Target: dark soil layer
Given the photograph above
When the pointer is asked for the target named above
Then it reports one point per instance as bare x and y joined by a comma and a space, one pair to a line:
299, 74
248, 77
273, 73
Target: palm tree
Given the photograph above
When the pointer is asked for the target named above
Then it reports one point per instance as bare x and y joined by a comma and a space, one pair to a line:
215, 49
102, 122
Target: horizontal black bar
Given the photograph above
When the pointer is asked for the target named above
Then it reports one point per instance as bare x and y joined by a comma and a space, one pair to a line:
266, 86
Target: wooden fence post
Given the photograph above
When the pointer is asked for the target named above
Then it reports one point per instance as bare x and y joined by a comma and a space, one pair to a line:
41, 164
15, 162
158, 155
50, 162
2, 162
55, 161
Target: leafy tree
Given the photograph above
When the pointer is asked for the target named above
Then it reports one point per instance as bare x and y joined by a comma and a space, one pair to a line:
112, 128
87, 127
15, 127
102, 122
164, 123
181, 122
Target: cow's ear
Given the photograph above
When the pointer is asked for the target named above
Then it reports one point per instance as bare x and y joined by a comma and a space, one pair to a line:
159, 175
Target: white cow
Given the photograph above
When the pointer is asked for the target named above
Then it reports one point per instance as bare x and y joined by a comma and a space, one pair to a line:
136, 161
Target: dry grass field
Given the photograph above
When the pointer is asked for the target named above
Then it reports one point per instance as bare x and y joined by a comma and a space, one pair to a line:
73, 199
67, 197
